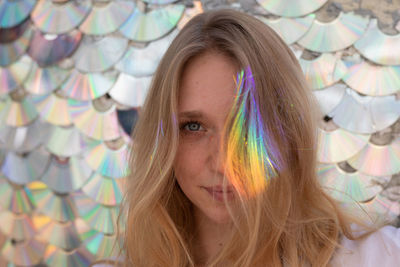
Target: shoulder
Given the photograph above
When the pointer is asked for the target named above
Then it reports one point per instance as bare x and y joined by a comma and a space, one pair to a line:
381, 248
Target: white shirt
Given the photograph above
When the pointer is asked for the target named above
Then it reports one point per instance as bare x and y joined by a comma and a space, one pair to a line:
381, 248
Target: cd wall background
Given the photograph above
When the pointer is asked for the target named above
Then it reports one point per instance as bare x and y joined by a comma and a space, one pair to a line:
72, 83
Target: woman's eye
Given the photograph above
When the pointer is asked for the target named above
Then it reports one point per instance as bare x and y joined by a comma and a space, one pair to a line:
191, 126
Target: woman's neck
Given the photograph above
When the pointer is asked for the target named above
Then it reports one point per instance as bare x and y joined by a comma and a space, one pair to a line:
209, 238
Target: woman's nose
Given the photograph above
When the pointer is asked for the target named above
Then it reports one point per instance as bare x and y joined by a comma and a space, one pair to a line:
217, 154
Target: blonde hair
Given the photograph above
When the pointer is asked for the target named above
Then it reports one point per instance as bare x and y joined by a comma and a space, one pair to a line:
294, 221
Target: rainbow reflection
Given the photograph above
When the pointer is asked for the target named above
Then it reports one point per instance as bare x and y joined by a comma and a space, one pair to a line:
248, 164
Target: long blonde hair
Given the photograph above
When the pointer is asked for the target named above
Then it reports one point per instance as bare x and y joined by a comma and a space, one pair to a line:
294, 221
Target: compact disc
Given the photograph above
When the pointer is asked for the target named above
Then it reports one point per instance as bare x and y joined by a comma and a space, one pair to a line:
141, 62
108, 162
25, 138
379, 47
365, 114
100, 125
106, 18
13, 12
130, 91
104, 190
335, 35
329, 97
96, 54
61, 208
145, 27
290, 29
17, 226
26, 253
26, 168
53, 109
66, 176
373, 80
63, 235
48, 49
17, 113
43, 81
99, 217
88, 86
339, 145
378, 160
348, 186
65, 141
322, 71
54, 256
16, 200
56, 18
291, 8
102, 245
12, 50
15, 74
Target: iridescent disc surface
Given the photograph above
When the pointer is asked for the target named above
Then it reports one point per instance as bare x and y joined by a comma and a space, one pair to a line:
27, 253
61, 235
54, 256
53, 109
290, 29
11, 51
145, 27
48, 49
59, 207
43, 81
378, 160
96, 54
130, 91
141, 62
93, 123
18, 113
99, 217
291, 8
17, 226
66, 176
335, 35
88, 86
102, 245
17, 200
13, 12
107, 18
25, 138
328, 98
15, 74
348, 186
378, 210
159, 2
339, 145
379, 47
371, 79
58, 18
108, 162
104, 190
23, 169
365, 114
322, 71
65, 141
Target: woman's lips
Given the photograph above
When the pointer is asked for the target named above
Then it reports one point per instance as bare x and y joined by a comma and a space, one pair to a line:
218, 193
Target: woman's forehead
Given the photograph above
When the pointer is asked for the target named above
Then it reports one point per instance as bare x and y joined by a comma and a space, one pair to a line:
207, 83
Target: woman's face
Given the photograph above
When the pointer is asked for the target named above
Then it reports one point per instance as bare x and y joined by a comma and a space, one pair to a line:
205, 97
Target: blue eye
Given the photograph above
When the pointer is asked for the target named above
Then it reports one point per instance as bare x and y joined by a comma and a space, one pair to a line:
193, 126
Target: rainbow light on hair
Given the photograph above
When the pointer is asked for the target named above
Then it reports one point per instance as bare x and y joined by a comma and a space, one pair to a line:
248, 162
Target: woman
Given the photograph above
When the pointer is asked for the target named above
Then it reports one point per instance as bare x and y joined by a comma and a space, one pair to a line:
223, 162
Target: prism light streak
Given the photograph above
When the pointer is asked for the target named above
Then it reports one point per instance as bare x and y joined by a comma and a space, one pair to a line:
248, 160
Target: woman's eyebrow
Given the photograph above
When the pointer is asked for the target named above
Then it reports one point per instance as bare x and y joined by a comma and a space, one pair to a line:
192, 114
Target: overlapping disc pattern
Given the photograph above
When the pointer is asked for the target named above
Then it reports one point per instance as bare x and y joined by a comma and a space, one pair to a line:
75, 73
